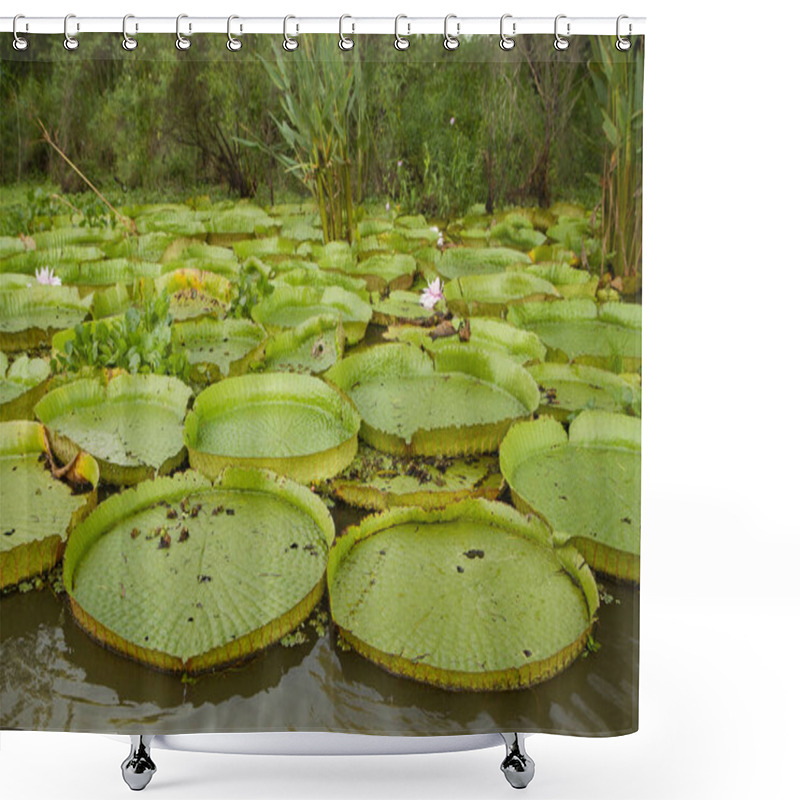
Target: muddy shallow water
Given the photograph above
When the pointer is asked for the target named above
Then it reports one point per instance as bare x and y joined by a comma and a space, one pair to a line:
54, 677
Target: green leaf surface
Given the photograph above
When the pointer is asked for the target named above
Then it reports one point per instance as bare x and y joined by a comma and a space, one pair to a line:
132, 424
458, 262
587, 486
460, 404
473, 596
294, 424
185, 576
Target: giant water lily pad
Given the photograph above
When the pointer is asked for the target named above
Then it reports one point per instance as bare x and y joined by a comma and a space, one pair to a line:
402, 307
108, 272
22, 384
194, 293
37, 511
491, 295
587, 486
312, 347
28, 261
486, 335
569, 281
293, 424
384, 271
218, 347
288, 306
458, 262
577, 331
185, 577
516, 231
30, 315
461, 403
131, 424
472, 597
379, 481
568, 388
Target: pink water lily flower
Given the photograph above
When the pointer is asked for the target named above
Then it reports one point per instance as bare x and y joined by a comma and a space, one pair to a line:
47, 277
432, 294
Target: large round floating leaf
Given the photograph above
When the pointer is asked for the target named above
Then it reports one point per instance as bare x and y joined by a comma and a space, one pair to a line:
473, 596
568, 388
131, 424
175, 219
461, 403
402, 307
312, 347
296, 425
30, 315
194, 293
458, 262
311, 275
491, 295
379, 481
218, 347
22, 384
264, 248
244, 218
288, 306
28, 261
486, 335
516, 231
37, 511
569, 281
147, 247
576, 330
383, 271
13, 245
186, 576
587, 486
108, 272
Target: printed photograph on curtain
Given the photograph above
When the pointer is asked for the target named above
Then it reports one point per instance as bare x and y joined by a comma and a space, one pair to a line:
320, 386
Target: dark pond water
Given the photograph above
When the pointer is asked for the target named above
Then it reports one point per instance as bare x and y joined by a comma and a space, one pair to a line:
54, 677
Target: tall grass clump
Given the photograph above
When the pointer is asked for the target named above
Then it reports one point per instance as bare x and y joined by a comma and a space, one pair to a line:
320, 91
616, 81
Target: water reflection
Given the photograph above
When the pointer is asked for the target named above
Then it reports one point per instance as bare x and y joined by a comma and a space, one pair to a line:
54, 677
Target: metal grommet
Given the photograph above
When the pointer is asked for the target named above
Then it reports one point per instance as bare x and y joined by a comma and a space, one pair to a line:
400, 42
233, 44
345, 42
70, 42
623, 43
560, 43
19, 42
289, 43
128, 42
506, 42
181, 42
450, 42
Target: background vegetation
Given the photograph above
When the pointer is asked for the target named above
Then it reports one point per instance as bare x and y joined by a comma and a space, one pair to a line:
425, 130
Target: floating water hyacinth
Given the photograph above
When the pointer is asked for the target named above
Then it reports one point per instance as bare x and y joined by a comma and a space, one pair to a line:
47, 277
432, 294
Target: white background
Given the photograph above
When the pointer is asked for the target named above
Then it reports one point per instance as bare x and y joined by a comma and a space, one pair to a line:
719, 599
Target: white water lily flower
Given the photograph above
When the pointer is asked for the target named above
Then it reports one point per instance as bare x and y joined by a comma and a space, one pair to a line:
440, 241
432, 294
47, 277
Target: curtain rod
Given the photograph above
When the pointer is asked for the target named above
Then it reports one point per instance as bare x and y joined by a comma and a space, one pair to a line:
456, 26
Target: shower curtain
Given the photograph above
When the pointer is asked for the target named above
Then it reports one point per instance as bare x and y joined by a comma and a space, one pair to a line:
320, 385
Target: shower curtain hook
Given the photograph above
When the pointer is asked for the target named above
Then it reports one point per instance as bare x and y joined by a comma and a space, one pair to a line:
561, 43
19, 42
345, 42
289, 42
506, 42
181, 42
234, 44
451, 42
70, 42
400, 42
128, 42
623, 43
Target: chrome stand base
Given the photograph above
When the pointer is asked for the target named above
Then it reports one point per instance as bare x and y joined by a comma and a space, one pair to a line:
138, 768
517, 766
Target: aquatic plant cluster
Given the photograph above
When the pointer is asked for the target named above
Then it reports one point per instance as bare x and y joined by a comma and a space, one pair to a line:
185, 398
